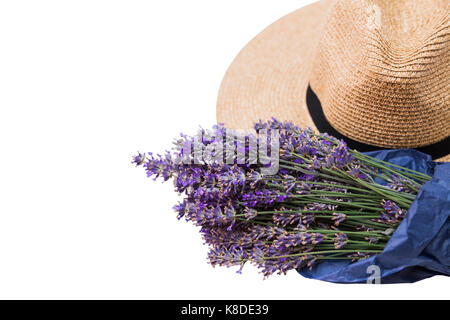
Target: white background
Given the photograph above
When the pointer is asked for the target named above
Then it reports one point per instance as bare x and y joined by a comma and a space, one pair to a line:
83, 86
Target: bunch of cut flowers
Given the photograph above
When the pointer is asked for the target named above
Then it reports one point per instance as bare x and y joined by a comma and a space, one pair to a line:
324, 201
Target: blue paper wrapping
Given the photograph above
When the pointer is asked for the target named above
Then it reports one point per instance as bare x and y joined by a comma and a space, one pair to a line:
420, 247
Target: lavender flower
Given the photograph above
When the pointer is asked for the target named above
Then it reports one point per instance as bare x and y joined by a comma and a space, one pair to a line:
340, 241
400, 184
339, 157
324, 197
285, 217
338, 218
250, 213
262, 198
356, 172
393, 213
138, 159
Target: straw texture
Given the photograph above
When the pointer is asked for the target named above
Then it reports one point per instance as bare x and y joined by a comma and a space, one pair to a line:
380, 69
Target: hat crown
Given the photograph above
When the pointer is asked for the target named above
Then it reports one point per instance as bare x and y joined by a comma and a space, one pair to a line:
381, 71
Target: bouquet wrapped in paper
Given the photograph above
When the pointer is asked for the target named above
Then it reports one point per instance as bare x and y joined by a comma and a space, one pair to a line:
284, 198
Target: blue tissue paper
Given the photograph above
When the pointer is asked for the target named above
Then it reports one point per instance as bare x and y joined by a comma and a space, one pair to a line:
420, 247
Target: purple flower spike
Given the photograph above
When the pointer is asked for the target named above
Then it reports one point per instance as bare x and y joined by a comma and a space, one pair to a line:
393, 213
291, 218
340, 156
338, 218
308, 218
340, 241
138, 159
250, 213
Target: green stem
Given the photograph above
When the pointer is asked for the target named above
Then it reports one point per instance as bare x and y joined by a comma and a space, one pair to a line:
324, 252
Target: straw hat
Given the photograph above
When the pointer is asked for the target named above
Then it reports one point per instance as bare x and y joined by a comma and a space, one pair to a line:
374, 72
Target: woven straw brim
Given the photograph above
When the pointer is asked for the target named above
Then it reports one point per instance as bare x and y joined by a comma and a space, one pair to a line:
270, 76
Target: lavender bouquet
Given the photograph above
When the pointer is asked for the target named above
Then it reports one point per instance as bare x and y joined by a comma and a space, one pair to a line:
307, 198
